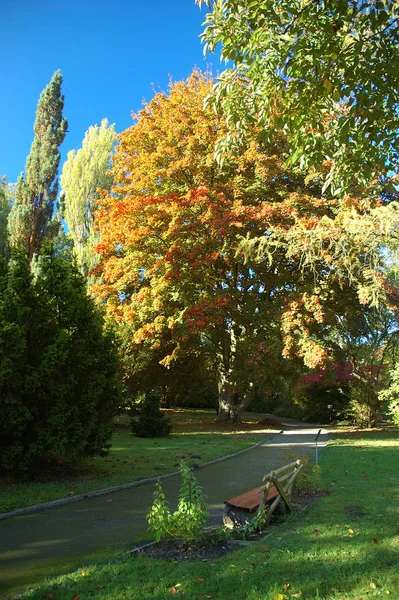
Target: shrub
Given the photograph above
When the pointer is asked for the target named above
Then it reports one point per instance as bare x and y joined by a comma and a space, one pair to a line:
391, 395
151, 422
58, 367
188, 520
393, 410
365, 407
321, 403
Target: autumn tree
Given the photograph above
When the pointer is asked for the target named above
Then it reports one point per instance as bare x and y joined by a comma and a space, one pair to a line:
84, 171
173, 278
324, 72
32, 216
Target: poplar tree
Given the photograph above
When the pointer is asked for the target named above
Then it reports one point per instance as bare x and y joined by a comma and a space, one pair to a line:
32, 216
83, 173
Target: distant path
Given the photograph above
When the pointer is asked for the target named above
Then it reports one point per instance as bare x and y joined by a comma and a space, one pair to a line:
46, 543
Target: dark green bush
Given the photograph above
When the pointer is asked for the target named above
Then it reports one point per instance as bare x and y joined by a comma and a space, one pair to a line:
59, 369
151, 422
321, 403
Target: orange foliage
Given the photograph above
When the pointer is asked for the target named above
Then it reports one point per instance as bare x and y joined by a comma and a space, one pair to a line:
171, 227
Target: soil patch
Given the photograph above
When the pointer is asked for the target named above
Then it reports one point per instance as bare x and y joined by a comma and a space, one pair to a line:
177, 550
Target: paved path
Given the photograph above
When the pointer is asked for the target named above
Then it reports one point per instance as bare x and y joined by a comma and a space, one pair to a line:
45, 543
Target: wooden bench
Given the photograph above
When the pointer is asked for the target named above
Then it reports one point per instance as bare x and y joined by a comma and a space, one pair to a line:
273, 494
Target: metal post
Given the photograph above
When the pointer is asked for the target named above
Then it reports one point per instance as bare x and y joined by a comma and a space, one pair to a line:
317, 450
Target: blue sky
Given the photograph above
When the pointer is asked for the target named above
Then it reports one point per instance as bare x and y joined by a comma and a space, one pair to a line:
112, 55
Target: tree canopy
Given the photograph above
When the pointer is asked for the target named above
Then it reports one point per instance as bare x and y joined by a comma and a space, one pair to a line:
324, 73
173, 276
84, 171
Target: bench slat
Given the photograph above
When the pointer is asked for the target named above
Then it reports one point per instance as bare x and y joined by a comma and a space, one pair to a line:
251, 500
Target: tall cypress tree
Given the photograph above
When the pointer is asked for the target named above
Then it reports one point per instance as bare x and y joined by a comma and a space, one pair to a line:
4, 212
32, 215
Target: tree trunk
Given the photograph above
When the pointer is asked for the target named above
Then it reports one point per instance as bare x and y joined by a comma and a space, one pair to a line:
231, 402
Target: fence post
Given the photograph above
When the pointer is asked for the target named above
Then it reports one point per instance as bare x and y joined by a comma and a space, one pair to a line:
317, 450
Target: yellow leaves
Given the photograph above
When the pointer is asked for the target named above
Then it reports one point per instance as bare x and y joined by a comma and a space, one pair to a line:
350, 531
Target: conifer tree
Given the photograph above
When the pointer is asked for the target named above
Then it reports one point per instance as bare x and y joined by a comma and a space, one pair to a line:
58, 366
32, 215
4, 212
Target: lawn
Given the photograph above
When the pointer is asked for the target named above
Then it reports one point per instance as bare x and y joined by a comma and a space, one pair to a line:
343, 546
195, 438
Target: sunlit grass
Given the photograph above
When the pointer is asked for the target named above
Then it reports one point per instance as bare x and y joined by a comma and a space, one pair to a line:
345, 546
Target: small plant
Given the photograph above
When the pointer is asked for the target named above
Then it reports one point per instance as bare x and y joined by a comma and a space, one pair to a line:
159, 519
188, 520
151, 422
192, 510
309, 477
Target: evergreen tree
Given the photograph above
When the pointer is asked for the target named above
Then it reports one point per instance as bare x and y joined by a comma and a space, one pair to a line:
83, 173
4, 212
58, 368
32, 215
16, 304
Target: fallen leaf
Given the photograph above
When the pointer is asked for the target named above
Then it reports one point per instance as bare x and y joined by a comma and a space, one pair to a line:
246, 572
208, 596
373, 586
109, 500
76, 597
173, 590
279, 597
350, 531
375, 541
266, 549
316, 532
297, 595
199, 580
286, 586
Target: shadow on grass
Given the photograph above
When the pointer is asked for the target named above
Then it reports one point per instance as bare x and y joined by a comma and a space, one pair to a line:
345, 545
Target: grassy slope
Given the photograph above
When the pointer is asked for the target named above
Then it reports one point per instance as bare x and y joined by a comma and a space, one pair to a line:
345, 546
131, 459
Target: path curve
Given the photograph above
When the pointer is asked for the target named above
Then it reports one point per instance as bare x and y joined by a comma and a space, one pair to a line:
45, 543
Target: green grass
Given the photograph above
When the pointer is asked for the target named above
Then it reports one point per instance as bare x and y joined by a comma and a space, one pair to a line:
344, 546
131, 459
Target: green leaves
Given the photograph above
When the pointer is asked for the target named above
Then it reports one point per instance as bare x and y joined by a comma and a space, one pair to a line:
190, 517
303, 68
